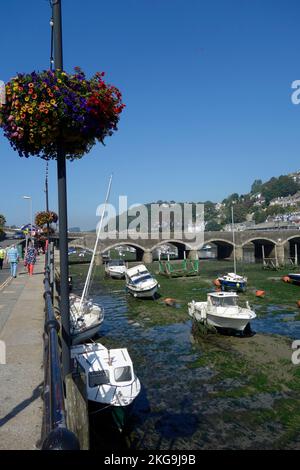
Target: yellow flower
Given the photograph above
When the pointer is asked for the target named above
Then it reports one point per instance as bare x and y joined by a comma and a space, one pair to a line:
26, 98
59, 80
30, 110
53, 102
48, 105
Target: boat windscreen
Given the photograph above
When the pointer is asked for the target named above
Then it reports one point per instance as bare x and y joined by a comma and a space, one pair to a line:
123, 374
98, 377
224, 301
142, 279
116, 263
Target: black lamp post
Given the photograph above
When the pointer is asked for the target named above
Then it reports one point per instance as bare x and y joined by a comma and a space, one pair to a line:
62, 206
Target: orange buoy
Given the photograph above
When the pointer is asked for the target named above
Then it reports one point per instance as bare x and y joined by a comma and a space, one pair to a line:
298, 303
286, 279
169, 301
217, 283
260, 293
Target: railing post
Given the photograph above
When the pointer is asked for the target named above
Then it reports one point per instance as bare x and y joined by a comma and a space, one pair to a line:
58, 436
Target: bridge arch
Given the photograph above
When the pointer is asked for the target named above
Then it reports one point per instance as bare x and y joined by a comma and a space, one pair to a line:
255, 248
224, 247
292, 248
181, 246
139, 249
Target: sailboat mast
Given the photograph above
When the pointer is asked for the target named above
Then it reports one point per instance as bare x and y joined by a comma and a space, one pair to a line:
88, 278
233, 240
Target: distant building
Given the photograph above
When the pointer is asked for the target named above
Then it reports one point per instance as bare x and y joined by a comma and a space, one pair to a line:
239, 227
286, 201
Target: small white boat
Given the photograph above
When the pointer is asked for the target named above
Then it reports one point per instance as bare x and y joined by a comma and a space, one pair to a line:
115, 269
140, 283
85, 319
222, 311
109, 374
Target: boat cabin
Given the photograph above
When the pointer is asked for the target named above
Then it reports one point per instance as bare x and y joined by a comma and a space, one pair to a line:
222, 299
105, 366
115, 262
138, 274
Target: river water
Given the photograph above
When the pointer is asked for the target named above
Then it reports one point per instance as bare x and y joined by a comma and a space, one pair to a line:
174, 409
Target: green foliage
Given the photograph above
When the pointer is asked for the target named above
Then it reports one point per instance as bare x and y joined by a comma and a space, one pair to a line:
213, 226
2, 220
260, 216
256, 186
279, 187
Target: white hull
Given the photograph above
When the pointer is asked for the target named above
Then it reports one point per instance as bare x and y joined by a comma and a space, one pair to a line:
230, 317
115, 274
142, 293
238, 324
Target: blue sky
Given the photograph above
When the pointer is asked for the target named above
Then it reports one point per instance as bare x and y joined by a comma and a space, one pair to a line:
207, 85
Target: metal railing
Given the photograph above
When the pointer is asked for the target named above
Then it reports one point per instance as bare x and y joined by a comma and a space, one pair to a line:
55, 434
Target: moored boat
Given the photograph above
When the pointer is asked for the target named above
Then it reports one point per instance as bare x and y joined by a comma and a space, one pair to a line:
140, 283
294, 278
115, 269
233, 281
85, 319
109, 374
221, 310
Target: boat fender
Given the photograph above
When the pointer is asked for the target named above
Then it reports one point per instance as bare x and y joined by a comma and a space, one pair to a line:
286, 279
260, 293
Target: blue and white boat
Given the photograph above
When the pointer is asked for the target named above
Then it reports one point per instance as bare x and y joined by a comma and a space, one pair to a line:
294, 277
233, 281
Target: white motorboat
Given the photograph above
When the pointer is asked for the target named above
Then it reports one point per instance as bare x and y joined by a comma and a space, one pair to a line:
85, 319
115, 269
109, 374
140, 283
222, 311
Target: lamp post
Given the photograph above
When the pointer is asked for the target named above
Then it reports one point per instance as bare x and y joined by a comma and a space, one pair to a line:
30, 207
62, 206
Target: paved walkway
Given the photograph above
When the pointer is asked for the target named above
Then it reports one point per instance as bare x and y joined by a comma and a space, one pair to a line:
21, 327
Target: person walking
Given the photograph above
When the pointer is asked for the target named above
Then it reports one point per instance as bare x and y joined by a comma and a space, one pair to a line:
30, 258
2, 256
12, 256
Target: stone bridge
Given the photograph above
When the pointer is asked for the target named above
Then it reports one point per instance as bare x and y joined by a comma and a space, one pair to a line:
277, 244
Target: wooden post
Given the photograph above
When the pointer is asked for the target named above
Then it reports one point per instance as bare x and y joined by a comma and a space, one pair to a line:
276, 259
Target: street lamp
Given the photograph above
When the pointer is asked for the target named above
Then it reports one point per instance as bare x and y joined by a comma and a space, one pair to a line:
30, 198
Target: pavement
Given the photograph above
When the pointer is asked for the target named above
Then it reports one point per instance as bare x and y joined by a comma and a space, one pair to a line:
21, 378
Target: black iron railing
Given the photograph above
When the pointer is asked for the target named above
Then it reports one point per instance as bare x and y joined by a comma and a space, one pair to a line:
55, 434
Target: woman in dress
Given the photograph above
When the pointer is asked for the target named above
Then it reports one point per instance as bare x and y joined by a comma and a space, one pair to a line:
30, 258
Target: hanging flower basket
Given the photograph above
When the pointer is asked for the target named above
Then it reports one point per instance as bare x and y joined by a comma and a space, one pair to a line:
44, 217
47, 109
